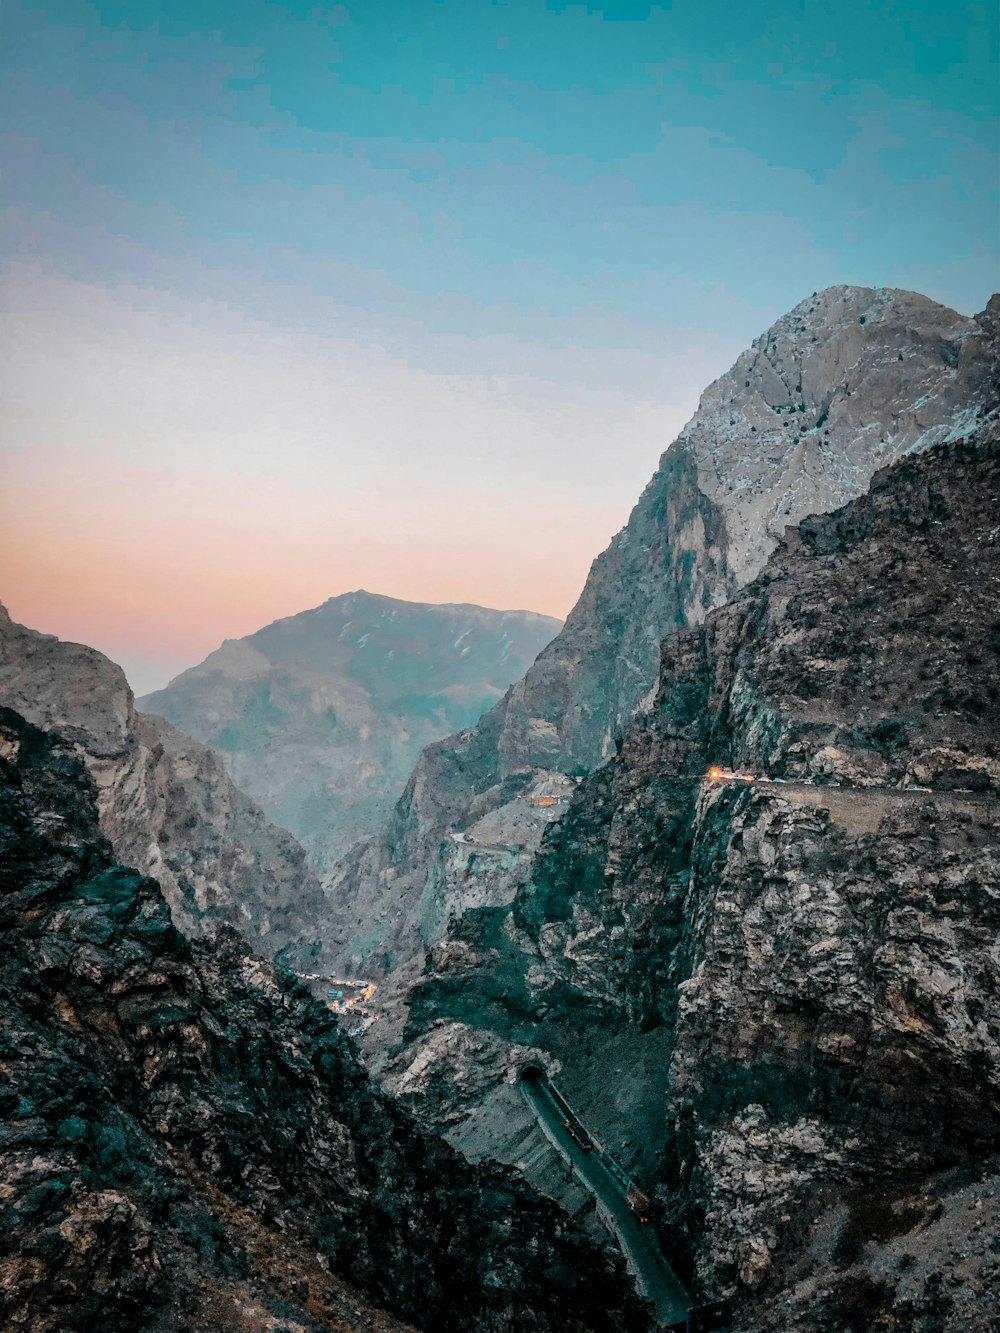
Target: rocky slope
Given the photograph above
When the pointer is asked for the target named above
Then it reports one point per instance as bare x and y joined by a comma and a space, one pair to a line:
849, 381
778, 999
188, 1143
167, 805
320, 717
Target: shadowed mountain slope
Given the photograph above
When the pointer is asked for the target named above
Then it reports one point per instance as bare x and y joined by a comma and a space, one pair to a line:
166, 803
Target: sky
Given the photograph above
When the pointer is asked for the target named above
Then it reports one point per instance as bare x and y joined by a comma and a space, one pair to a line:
410, 295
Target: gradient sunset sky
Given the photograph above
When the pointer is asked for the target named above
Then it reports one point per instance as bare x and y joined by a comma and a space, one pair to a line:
410, 295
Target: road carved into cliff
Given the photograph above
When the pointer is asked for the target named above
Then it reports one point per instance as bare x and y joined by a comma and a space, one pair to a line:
654, 1277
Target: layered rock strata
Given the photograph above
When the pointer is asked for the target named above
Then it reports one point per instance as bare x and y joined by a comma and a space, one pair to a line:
188, 1143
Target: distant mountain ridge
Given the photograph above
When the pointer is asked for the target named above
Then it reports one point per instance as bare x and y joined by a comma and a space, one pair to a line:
320, 716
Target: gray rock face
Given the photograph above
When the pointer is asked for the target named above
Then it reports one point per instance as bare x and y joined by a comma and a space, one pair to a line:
166, 803
849, 381
321, 716
814, 954
189, 1143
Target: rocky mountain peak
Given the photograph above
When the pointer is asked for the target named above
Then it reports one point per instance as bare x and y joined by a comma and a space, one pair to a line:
850, 380
68, 686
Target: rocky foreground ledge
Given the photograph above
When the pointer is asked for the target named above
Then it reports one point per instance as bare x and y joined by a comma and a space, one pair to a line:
188, 1143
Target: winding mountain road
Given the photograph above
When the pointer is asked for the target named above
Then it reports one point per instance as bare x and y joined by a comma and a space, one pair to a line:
654, 1277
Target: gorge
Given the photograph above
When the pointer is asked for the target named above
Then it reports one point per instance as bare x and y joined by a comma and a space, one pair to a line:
721, 867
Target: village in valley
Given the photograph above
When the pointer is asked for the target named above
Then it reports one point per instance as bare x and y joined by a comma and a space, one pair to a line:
349, 997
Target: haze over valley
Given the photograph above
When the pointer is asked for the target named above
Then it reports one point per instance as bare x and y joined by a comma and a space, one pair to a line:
321, 716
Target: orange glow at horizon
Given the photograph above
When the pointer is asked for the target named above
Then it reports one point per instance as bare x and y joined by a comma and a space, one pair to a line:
142, 562
176, 473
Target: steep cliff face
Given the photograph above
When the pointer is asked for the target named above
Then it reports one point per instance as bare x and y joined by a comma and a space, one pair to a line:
167, 805
188, 1143
849, 381
320, 716
813, 953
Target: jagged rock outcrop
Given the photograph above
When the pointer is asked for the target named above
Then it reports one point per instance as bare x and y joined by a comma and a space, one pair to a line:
320, 716
849, 381
167, 805
187, 1142
814, 955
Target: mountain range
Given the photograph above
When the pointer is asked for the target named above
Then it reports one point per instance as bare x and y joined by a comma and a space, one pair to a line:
850, 380
723, 864
320, 716
758, 950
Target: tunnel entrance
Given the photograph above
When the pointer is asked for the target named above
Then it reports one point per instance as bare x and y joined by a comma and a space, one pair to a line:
533, 1074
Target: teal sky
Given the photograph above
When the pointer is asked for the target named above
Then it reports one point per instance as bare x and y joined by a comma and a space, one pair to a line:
520, 237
